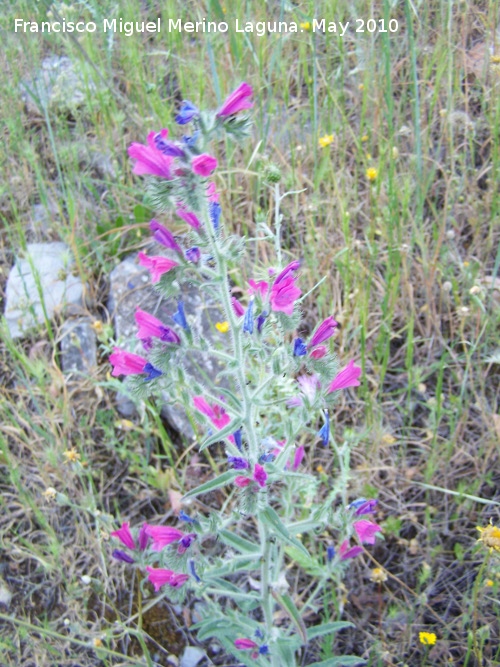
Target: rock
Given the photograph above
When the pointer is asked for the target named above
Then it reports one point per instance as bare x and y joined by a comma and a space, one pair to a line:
59, 85
42, 279
78, 346
130, 287
5, 594
192, 657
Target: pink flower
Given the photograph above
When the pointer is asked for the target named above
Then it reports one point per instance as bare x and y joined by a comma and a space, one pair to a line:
283, 295
212, 194
319, 352
159, 577
125, 536
203, 164
245, 644
163, 536
237, 101
345, 552
151, 327
126, 363
164, 236
258, 287
293, 266
325, 330
150, 160
298, 456
242, 481
189, 217
217, 415
156, 265
260, 475
366, 531
237, 307
348, 377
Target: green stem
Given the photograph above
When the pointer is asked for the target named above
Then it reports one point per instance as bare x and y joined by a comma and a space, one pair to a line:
478, 651
277, 222
266, 598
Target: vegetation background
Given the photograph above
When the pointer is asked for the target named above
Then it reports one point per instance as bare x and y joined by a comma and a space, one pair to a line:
410, 259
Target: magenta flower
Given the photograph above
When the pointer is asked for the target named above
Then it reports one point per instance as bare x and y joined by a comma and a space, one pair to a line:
366, 531
283, 295
159, 577
346, 552
298, 457
237, 307
325, 330
348, 377
245, 644
126, 363
204, 164
185, 542
261, 287
157, 265
217, 415
164, 236
242, 481
319, 352
237, 101
151, 327
260, 475
189, 217
363, 506
162, 536
293, 266
124, 535
150, 160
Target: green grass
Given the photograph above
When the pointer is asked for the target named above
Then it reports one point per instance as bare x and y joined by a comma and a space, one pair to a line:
400, 255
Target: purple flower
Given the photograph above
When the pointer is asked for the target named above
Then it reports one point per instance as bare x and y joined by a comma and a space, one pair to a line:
168, 147
127, 363
283, 295
157, 265
204, 164
185, 542
260, 321
193, 255
152, 372
237, 307
238, 463
164, 236
258, 287
179, 317
319, 352
299, 348
237, 101
345, 552
185, 517
348, 377
149, 160
245, 644
363, 506
237, 438
299, 455
367, 530
121, 555
260, 475
324, 432
187, 112
248, 321
192, 569
143, 537
151, 327
162, 536
124, 535
330, 553
293, 266
159, 577
325, 330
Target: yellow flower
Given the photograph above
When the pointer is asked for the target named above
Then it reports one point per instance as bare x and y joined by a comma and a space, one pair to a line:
326, 140
320, 469
378, 575
371, 173
98, 327
494, 60
71, 455
50, 493
364, 137
489, 583
306, 25
361, 86
427, 638
490, 537
223, 327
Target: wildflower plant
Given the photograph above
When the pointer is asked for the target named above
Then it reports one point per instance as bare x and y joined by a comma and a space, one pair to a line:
276, 400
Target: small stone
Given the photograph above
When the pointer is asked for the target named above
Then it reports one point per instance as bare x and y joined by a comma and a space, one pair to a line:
78, 346
40, 283
85, 579
5, 594
192, 656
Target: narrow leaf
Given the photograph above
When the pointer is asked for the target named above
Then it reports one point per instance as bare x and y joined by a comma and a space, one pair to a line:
229, 429
222, 480
340, 661
327, 629
289, 606
272, 519
238, 543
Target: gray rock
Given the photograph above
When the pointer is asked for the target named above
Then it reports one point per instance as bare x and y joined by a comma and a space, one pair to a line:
192, 656
41, 282
130, 287
59, 85
78, 346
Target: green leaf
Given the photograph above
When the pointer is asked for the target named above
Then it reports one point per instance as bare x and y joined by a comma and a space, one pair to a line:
238, 543
222, 480
340, 661
289, 606
307, 563
327, 628
220, 435
271, 518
